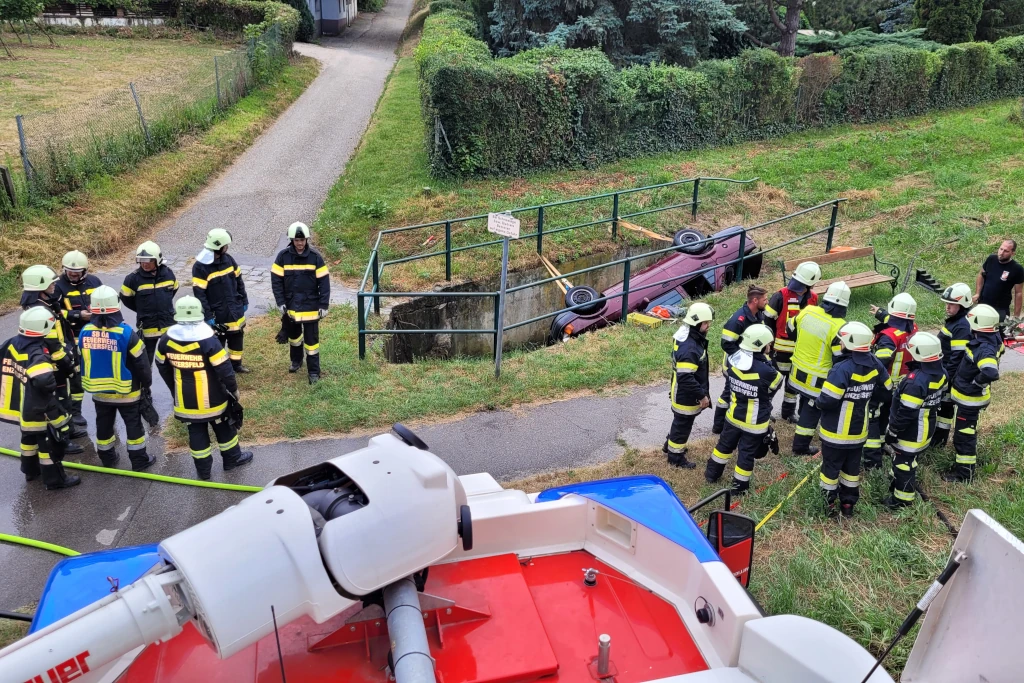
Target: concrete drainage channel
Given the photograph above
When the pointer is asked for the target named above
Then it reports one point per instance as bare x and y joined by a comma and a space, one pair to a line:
437, 313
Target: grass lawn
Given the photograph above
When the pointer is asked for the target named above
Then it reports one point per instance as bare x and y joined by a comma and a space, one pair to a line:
81, 68
864, 575
110, 212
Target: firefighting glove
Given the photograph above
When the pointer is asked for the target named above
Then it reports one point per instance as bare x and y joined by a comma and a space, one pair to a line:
890, 438
772, 439
211, 322
220, 328
283, 309
64, 434
323, 312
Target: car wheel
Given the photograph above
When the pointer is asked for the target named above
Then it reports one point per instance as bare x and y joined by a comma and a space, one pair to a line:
691, 241
583, 295
752, 266
729, 276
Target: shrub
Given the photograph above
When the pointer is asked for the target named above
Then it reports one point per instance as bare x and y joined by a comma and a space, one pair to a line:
555, 107
948, 21
864, 38
307, 25
236, 15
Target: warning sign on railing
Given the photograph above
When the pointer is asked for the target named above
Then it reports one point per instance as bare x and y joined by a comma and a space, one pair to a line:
503, 224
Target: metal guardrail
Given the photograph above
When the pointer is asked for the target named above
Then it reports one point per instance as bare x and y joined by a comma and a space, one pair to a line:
375, 267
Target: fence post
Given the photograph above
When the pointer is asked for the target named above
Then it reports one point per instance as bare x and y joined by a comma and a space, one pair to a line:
24, 148
540, 229
361, 318
216, 75
615, 215
376, 283
832, 226
497, 333
743, 255
625, 291
448, 251
138, 106
696, 193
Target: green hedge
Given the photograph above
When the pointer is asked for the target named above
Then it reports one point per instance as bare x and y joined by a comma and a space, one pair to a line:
253, 17
555, 108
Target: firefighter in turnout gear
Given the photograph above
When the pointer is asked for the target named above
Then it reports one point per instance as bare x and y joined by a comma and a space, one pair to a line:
896, 326
751, 313
28, 398
689, 392
816, 333
978, 368
915, 406
217, 283
73, 289
784, 306
39, 284
149, 291
954, 335
753, 383
115, 370
302, 291
856, 381
198, 373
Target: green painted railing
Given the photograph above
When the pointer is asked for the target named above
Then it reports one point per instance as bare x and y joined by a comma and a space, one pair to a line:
375, 266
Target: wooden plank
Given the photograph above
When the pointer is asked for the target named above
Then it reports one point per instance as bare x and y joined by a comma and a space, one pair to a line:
854, 281
831, 257
643, 231
555, 273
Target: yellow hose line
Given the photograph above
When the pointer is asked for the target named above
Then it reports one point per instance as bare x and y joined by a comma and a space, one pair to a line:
152, 477
42, 545
783, 502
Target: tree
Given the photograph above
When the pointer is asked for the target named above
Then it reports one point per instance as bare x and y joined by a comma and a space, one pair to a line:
788, 25
948, 21
18, 10
1001, 18
628, 31
306, 26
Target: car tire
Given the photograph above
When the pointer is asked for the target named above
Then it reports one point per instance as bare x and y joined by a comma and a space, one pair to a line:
690, 241
582, 295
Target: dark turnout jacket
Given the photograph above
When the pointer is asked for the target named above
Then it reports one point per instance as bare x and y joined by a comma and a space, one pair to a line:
301, 282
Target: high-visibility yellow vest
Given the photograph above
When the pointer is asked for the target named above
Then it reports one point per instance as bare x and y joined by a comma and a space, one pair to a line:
815, 332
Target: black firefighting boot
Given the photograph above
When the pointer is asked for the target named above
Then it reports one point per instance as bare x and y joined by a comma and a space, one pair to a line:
76, 414
713, 471
243, 458
239, 368
959, 474
141, 460
314, 378
55, 477
679, 460
940, 438
740, 487
294, 367
830, 498
108, 458
30, 467
846, 510
203, 467
809, 450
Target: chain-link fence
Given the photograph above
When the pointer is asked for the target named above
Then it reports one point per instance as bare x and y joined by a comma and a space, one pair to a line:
61, 149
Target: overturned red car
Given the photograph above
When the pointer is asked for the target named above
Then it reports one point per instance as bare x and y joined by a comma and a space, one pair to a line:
679, 275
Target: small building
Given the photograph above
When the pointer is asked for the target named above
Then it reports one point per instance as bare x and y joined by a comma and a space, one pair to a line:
331, 17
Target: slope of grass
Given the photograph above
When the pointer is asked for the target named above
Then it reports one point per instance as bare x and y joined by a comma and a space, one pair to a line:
861, 576
111, 211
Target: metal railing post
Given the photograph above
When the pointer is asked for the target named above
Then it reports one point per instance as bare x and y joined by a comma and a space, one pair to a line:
216, 76
361, 317
625, 291
448, 251
497, 317
24, 148
615, 215
832, 226
743, 255
696, 193
138, 106
540, 229
376, 283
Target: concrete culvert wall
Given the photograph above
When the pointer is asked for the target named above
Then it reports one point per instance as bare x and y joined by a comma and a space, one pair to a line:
438, 313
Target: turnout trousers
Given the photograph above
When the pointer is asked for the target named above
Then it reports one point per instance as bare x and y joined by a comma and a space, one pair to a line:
234, 343
947, 414
304, 338
106, 433
679, 433
151, 343
903, 485
751, 447
965, 439
784, 364
199, 443
806, 425
878, 423
840, 474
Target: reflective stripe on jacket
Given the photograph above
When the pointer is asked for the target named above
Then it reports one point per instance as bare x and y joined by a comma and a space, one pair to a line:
750, 395
783, 307
846, 394
817, 344
197, 370
915, 406
219, 287
979, 367
301, 282
151, 296
114, 363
